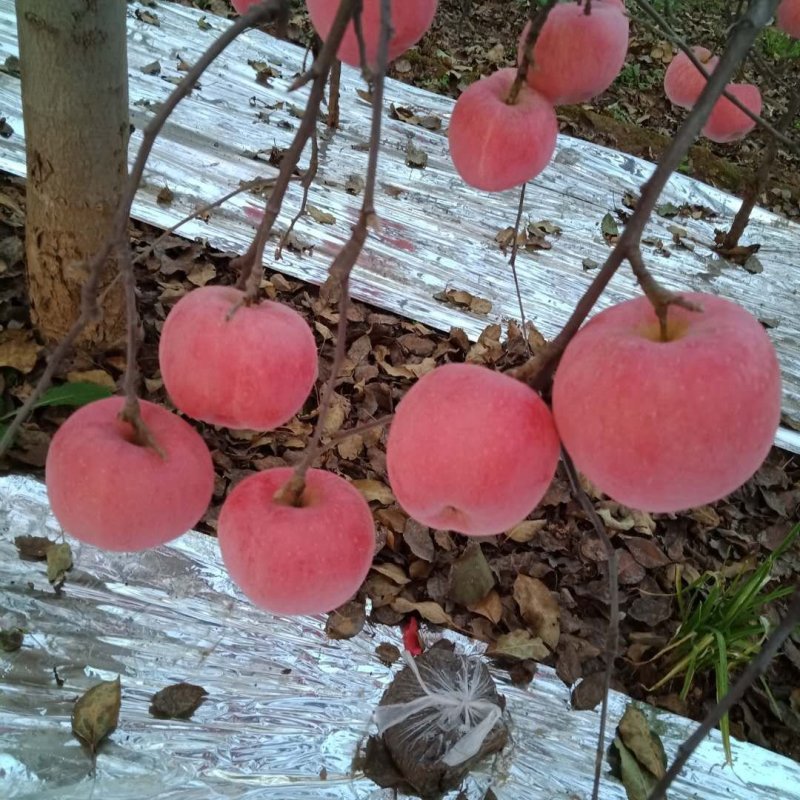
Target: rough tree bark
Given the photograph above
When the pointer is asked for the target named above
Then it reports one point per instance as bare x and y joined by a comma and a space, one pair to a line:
74, 68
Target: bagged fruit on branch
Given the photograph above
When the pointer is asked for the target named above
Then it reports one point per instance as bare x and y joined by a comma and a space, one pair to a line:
439, 717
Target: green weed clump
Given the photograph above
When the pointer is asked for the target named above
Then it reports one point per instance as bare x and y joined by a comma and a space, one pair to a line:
723, 626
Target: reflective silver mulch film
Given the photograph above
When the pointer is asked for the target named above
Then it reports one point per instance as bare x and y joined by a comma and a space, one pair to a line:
286, 708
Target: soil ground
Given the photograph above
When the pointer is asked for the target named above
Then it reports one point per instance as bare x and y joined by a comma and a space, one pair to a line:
434, 570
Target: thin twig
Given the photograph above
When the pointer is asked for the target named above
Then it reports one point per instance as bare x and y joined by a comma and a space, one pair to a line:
612, 634
751, 673
513, 264
538, 17
306, 182
117, 237
334, 94
359, 429
131, 412
760, 180
342, 266
250, 263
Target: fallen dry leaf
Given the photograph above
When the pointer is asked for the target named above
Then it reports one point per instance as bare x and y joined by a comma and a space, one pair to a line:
96, 376
526, 530
59, 563
33, 548
471, 577
375, 491
18, 350
393, 572
346, 621
645, 745
490, 607
418, 539
428, 610
538, 608
96, 713
178, 701
519, 644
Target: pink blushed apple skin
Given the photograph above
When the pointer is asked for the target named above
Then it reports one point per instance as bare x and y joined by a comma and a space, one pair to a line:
727, 123
578, 56
305, 560
410, 20
242, 6
496, 146
471, 450
683, 82
787, 18
111, 493
253, 370
667, 426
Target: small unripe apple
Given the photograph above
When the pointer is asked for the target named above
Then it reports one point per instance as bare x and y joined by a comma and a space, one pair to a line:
110, 492
494, 145
471, 450
307, 559
252, 369
577, 55
683, 82
663, 426
410, 20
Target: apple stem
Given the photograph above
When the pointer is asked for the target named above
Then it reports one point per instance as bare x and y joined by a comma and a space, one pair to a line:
660, 298
538, 17
142, 437
291, 493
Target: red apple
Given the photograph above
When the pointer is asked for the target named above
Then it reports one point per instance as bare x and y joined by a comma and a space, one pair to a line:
471, 450
727, 123
297, 560
494, 145
107, 491
410, 20
665, 426
787, 17
683, 82
252, 370
578, 55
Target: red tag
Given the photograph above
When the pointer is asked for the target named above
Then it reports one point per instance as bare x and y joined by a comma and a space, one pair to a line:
411, 641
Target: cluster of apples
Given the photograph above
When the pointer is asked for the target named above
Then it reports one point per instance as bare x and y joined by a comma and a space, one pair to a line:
683, 84
244, 367
658, 425
576, 57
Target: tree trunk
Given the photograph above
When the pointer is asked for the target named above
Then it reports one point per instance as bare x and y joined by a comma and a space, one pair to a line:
74, 69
